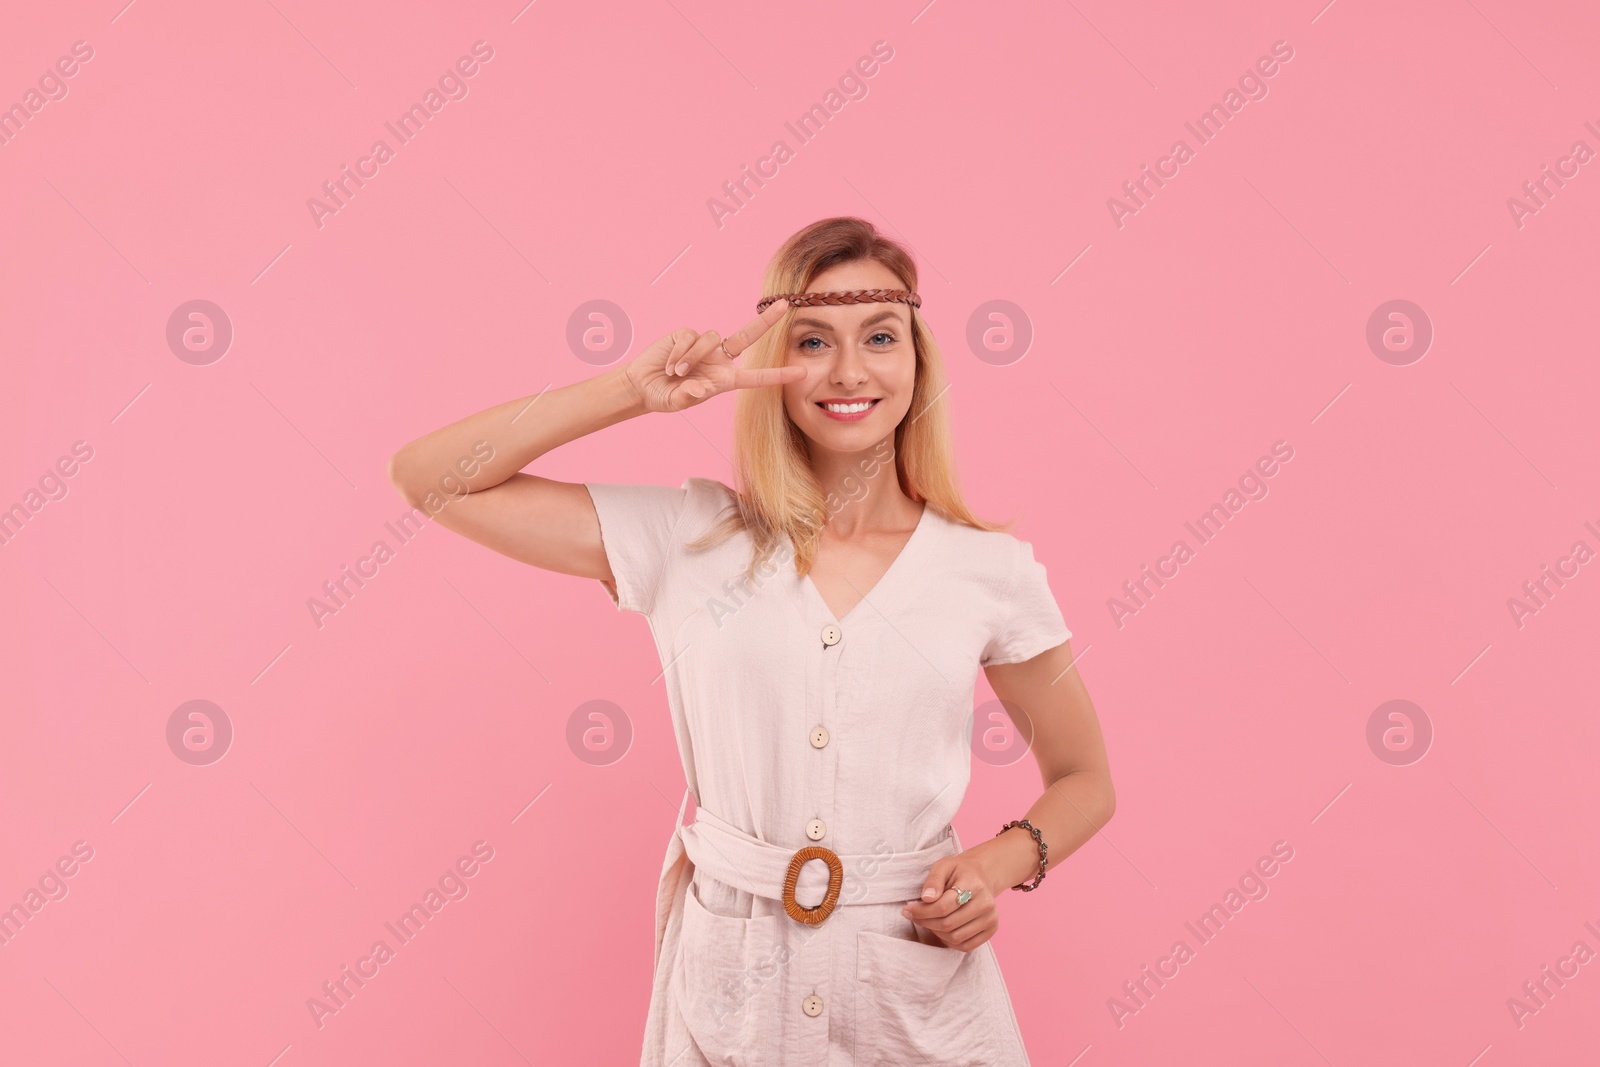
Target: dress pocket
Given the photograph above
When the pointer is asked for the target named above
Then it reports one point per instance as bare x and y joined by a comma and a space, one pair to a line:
727, 983
923, 1003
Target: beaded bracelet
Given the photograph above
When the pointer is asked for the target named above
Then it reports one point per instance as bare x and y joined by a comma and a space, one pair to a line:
1043, 848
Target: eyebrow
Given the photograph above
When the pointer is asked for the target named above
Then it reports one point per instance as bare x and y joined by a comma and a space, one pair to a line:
879, 317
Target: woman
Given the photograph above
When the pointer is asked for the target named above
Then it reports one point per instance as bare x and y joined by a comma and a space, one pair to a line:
822, 633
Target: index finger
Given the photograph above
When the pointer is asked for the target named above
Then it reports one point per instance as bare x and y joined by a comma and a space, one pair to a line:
751, 331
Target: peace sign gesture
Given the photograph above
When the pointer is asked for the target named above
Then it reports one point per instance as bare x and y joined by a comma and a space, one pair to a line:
686, 368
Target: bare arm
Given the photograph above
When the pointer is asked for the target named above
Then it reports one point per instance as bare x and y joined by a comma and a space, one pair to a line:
468, 475
1078, 796
1078, 800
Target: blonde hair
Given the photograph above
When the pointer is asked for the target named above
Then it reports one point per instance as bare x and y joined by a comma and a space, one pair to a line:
777, 491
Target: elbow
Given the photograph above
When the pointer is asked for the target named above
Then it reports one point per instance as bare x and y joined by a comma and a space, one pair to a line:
1101, 798
401, 478
1095, 798
1108, 801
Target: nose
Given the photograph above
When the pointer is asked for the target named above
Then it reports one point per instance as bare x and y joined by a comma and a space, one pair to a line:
849, 366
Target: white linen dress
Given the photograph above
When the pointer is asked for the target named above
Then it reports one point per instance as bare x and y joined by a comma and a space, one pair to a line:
796, 729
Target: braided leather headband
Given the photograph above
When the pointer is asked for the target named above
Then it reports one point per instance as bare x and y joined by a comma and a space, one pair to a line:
851, 296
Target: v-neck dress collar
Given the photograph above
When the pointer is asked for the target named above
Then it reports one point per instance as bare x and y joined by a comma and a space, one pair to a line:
817, 608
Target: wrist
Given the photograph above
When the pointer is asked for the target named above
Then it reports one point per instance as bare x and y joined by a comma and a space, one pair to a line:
627, 398
1009, 858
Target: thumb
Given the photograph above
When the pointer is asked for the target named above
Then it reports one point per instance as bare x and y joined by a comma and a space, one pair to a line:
934, 885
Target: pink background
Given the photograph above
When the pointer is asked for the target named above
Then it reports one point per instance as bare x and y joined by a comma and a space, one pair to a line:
1229, 313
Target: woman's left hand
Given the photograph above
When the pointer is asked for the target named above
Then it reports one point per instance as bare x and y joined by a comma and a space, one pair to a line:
957, 926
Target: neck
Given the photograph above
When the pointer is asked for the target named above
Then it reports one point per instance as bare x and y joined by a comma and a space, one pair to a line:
862, 491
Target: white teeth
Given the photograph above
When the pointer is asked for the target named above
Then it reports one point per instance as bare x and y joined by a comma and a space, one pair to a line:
849, 409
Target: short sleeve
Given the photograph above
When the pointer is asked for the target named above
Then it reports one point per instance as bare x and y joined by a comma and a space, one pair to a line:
637, 525
1032, 621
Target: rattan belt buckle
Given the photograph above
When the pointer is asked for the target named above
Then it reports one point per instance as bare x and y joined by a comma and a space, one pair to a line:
814, 915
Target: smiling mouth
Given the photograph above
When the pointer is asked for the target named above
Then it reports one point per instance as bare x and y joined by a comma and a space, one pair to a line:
854, 407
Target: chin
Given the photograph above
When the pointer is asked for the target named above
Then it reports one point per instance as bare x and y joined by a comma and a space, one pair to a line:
857, 438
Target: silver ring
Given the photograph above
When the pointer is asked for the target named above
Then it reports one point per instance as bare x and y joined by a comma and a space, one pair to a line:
962, 896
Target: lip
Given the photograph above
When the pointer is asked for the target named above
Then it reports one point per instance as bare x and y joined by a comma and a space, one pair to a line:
855, 416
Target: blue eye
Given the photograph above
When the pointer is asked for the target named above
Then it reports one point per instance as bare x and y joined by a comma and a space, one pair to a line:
887, 339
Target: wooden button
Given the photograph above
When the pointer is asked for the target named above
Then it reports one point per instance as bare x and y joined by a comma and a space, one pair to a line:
819, 736
831, 634
815, 829
812, 1005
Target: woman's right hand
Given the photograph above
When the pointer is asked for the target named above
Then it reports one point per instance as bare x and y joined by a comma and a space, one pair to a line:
686, 368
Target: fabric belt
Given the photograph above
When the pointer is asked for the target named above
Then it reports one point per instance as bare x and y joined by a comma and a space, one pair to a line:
746, 862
